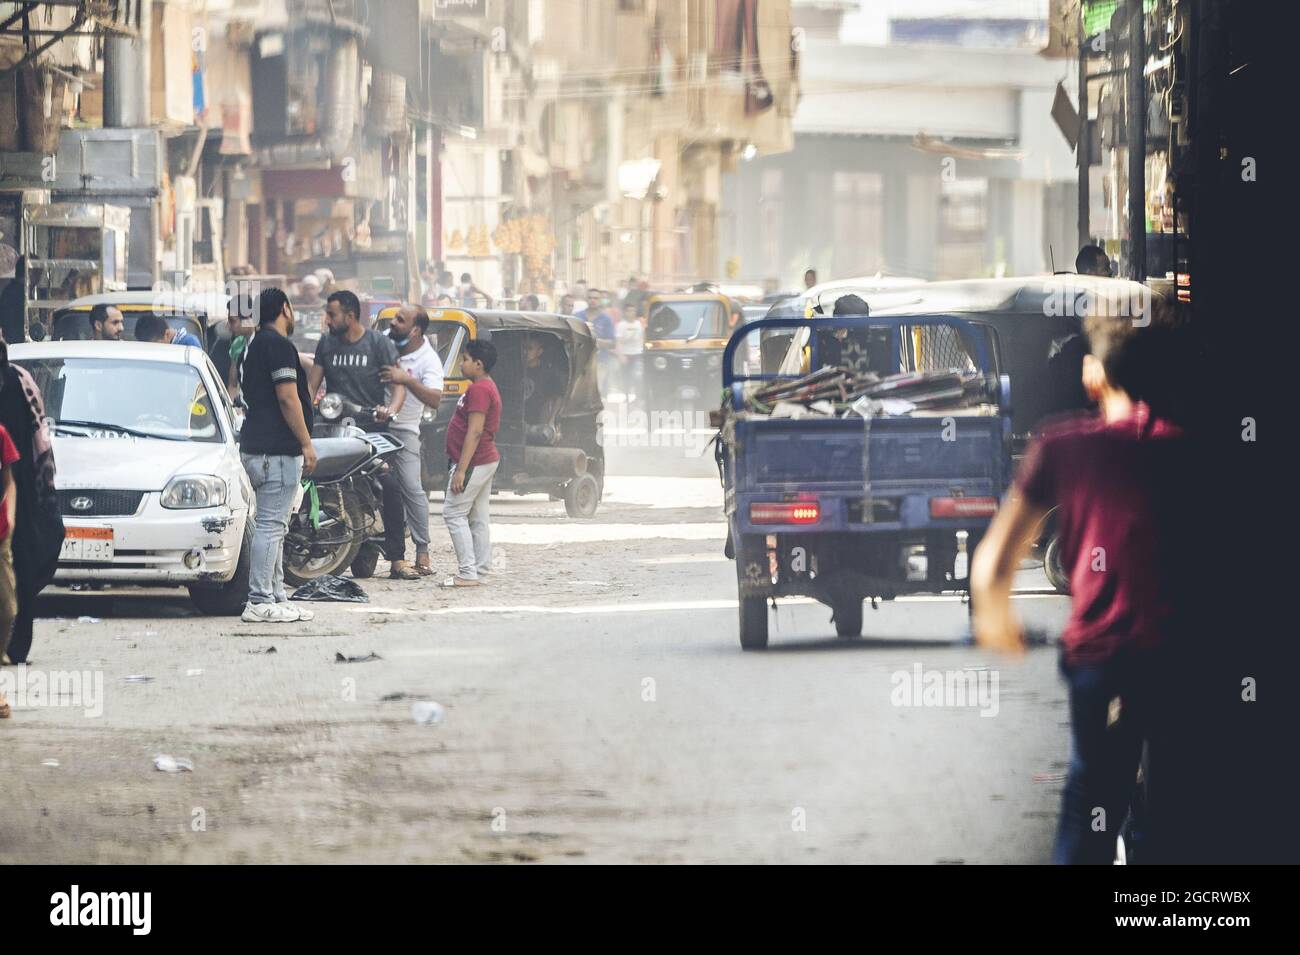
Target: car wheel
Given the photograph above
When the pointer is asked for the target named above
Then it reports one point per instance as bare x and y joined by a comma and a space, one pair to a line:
582, 496
228, 600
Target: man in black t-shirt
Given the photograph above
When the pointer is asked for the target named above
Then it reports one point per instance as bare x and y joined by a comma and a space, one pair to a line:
276, 449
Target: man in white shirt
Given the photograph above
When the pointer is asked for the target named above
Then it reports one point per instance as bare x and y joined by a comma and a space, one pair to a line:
419, 370
630, 346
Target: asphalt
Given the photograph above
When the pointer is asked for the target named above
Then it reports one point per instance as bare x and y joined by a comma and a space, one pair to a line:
598, 708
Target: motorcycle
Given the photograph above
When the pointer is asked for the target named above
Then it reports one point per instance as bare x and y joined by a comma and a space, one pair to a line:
339, 519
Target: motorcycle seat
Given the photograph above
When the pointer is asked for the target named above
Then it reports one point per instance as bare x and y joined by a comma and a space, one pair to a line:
335, 457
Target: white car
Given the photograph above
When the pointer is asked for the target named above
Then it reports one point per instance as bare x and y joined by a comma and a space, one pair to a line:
147, 467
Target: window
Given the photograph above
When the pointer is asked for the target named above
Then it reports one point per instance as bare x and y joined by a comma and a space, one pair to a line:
963, 227
858, 223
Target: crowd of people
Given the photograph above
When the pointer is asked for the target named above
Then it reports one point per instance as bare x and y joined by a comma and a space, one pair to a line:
392, 376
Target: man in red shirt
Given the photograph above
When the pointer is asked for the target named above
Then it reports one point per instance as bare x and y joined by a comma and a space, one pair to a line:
1114, 480
472, 462
8, 583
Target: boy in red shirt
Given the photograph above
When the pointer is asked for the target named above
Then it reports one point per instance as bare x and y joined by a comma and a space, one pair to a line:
1114, 480
8, 511
472, 462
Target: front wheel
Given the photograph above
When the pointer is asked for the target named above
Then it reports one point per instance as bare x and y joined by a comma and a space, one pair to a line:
228, 600
582, 496
367, 559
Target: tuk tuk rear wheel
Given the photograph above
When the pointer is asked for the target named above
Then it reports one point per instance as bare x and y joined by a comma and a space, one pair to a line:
1053, 567
582, 496
848, 617
753, 607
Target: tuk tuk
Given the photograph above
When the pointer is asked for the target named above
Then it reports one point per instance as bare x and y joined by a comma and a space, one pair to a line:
684, 338
1038, 322
561, 456
200, 314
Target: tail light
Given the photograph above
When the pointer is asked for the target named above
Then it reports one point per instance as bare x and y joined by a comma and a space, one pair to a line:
785, 512
963, 506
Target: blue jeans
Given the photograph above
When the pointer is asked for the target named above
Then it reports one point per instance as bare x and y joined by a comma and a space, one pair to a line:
275, 479
1104, 755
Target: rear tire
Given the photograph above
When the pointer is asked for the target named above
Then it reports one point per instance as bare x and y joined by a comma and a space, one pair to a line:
751, 556
228, 600
848, 617
1053, 566
298, 572
582, 496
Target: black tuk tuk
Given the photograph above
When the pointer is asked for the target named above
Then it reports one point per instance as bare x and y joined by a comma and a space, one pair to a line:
684, 338
555, 453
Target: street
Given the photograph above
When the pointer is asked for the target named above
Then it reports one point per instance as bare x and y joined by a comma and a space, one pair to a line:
598, 708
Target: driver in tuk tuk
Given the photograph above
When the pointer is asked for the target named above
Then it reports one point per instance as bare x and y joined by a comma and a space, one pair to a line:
544, 388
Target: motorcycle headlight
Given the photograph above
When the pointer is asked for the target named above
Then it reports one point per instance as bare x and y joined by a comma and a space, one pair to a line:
194, 490
331, 406
427, 415
661, 362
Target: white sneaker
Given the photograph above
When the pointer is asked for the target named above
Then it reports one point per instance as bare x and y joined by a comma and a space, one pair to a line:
304, 613
270, 613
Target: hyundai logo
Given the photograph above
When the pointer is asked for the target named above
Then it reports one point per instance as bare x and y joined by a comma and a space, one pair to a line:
81, 503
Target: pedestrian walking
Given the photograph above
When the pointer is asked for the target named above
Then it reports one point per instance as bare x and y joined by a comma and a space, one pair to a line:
36, 537
1113, 480
630, 347
472, 463
275, 447
420, 372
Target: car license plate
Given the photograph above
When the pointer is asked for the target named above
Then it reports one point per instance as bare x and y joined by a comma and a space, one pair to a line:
87, 543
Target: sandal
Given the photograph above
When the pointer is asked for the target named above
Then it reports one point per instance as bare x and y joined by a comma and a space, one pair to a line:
453, 582
424, 570
5, 710
403, 573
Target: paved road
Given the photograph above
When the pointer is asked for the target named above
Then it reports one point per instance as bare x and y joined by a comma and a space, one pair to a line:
598, 708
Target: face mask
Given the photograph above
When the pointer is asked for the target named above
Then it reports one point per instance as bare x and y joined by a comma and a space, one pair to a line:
399, 342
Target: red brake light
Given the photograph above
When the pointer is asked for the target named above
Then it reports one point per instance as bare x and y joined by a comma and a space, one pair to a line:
963, 506
792, 512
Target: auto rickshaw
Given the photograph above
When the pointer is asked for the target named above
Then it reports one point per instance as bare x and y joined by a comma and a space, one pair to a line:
684, 338
200, 314
1038, 322
557, 454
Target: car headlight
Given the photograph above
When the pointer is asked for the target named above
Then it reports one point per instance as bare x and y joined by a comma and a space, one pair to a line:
330, 407
194, 490
661, 362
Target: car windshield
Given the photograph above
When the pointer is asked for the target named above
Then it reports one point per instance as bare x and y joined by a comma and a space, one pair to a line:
90, 398
687, 320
